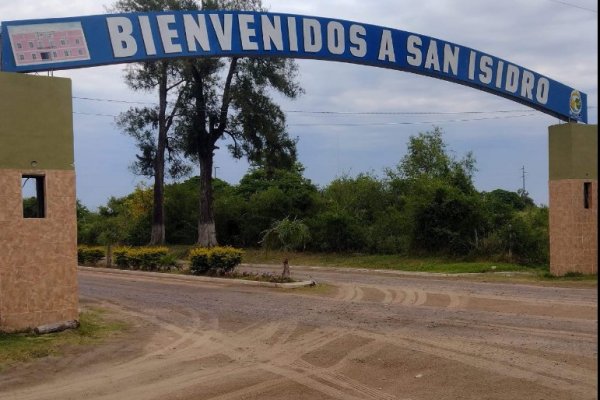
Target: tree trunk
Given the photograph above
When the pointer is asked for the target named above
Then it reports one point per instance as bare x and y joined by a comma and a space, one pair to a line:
286, 269
207, 235
157, 236
205, 146
109, 255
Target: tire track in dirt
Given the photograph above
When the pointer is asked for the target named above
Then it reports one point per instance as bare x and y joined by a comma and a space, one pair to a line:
155, 359
286, 360
150, 372
330, 377
493, 359
192, 351
463, 301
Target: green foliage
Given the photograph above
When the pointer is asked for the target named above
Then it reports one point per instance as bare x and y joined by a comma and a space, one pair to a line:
428, 157
214, 260
440, 264
355, 215
181, 211
336, 231
95, 326
124, 220
144, 258
426, 205
287, 235
31, 208
121, 258
168, 261
447, 223
363, 197
527, 236
89, 255
390, 232
263, 277
261, 198
499, 205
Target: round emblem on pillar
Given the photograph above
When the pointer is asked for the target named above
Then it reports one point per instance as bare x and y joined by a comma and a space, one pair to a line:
575, 103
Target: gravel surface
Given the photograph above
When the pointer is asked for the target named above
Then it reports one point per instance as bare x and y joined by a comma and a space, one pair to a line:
357, 335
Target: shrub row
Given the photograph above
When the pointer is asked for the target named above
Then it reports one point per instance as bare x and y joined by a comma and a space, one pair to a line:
214, 260
89, 255
144, 258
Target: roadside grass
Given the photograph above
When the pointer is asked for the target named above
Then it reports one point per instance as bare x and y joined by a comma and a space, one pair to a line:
568, 277
541, 278
511, 272
95, 325
384, 261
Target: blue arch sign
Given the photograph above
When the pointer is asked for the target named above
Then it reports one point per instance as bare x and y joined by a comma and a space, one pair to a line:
76, 42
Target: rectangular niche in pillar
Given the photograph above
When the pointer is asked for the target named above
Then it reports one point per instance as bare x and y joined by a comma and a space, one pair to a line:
33, 196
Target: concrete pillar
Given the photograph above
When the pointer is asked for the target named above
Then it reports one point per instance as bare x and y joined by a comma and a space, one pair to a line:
573, 198
38, 240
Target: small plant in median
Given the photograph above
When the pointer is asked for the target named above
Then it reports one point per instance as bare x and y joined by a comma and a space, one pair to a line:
214, 260
288, 235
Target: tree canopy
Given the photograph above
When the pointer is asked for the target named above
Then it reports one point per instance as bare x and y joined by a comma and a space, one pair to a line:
420, 214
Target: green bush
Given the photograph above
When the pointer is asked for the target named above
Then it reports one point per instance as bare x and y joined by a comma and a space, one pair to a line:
120, 257
144, 258
168, 260
199, 261
89, 255
214, 260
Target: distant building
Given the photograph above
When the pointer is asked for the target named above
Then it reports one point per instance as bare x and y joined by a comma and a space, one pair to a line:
48, 43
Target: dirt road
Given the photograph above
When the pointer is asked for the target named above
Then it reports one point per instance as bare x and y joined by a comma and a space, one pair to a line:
365, 336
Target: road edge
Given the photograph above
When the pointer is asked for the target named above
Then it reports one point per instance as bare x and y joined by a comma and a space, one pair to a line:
194, 278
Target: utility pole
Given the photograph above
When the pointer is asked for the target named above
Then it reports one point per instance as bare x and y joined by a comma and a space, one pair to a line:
215, 174
523, 177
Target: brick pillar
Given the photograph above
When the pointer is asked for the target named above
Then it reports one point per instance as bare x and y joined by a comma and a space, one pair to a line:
38, 244
573, 190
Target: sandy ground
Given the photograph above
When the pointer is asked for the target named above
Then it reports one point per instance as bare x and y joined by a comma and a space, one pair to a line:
365, 336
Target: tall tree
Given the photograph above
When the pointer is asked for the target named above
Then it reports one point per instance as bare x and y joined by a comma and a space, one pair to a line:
215, 98
440, 195
428, 159
232, 97
150, 126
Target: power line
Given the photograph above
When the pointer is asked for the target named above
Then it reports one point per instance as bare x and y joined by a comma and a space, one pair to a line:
95, 115
574, 6
337, 113
316, 112
367, 124
112, 100
401, 112
417, 122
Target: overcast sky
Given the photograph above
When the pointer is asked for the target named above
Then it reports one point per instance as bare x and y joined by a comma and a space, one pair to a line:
553, 37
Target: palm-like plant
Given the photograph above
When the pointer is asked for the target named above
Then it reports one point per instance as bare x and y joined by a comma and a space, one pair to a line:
288, 235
